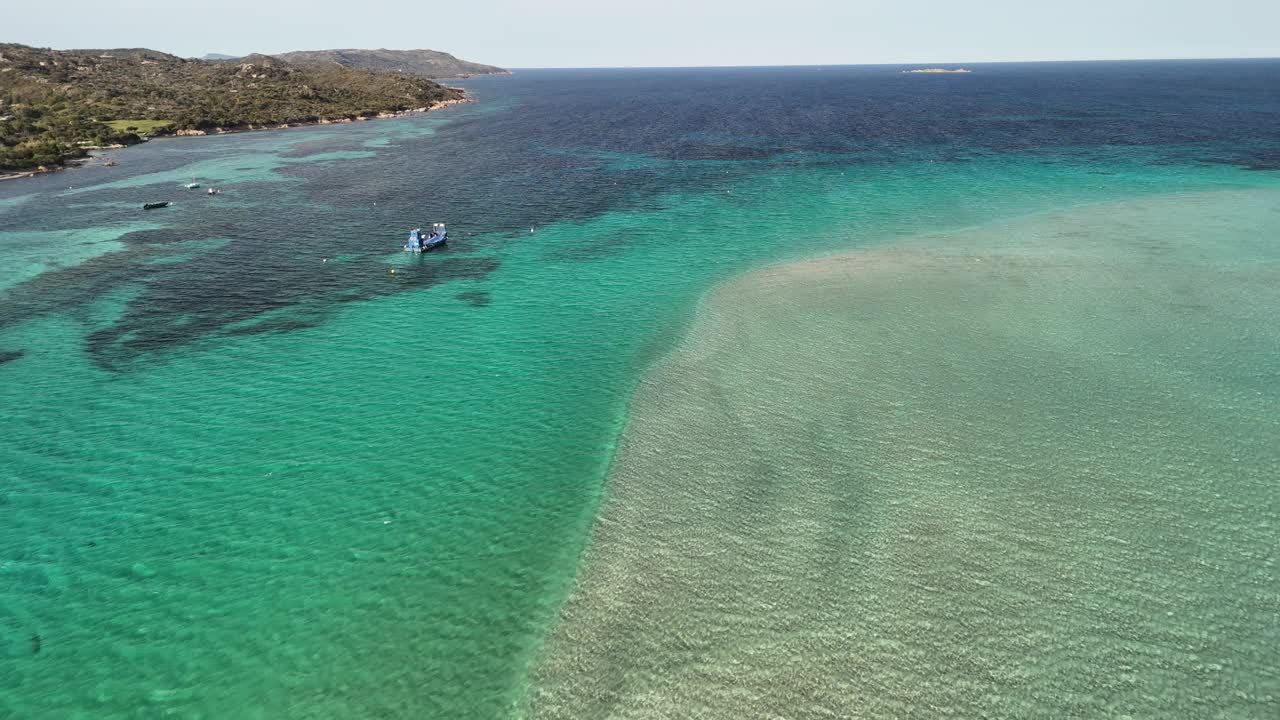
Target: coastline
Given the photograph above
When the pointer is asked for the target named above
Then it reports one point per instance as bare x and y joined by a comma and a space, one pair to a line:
77, 162
766, 543
441, 105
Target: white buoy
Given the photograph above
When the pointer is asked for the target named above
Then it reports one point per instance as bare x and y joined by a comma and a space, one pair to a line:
530, 231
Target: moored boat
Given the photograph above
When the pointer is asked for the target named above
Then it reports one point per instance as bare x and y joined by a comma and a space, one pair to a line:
420, 242
155, 205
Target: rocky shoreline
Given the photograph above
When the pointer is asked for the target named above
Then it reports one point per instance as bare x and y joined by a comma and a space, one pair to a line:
77, 162
322, 121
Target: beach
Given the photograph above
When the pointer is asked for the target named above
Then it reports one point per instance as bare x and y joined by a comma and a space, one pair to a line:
1009, 471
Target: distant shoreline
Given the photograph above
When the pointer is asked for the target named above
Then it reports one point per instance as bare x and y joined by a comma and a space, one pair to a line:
936, 71
73, 163
441, 105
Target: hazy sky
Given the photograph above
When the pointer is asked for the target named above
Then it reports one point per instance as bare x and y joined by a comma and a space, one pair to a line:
593, 33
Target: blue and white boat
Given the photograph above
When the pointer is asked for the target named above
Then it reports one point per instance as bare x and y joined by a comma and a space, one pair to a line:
420, 242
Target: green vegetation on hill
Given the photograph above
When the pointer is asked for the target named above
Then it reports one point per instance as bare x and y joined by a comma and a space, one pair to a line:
423, 63
144, 128
54, 104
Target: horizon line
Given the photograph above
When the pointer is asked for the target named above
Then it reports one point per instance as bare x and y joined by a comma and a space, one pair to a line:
891, 64
932, 63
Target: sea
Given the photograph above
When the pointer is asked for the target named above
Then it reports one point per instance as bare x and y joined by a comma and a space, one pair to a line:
738, 392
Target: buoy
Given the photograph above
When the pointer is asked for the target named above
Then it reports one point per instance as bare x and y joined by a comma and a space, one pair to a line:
393, 271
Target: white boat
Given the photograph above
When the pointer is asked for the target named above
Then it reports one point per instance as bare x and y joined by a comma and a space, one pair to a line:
193, 184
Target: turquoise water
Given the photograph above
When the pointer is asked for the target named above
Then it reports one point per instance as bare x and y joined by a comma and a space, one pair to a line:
30, 254
1022, 470
247, 470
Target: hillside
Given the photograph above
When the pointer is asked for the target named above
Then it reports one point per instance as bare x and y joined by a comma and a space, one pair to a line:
55, 103
422, 63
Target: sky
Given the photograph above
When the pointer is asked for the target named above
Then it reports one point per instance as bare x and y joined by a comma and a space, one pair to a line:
650, 33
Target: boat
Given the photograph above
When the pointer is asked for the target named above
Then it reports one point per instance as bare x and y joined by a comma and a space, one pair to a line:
215, 191
193, 184
420, 242
155, 205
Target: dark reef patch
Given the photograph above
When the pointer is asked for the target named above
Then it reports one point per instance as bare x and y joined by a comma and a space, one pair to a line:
476, 298
72, 288
185, 303
8, 356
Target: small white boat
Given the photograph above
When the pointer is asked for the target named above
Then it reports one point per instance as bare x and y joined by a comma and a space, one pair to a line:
193, 184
